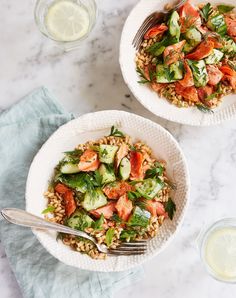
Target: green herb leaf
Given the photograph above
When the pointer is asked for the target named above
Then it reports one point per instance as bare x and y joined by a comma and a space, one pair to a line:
156, 171
97, 225
169, 74
132, 195
49, 209
206, 11
170, 208
116, 218
225, 8
109, 236
204, 108
128, 235
98, 178
116, 133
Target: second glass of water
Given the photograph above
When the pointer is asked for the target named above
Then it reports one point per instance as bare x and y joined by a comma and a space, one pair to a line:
66, 22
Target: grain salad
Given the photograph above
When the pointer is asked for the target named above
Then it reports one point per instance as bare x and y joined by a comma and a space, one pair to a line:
190, 58
113, 189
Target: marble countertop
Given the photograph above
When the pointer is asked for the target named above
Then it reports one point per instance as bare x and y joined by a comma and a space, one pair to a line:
89, 79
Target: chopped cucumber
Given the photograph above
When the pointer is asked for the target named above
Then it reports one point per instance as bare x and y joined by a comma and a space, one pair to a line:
79, 221
215, 57
107, 174
162, 74
94, 199
217, 24
177, 68
149, 187
69, 168
199, 70
229, 46
193, 37
107, 153
139, 217
125, 168
174, 27
75, 181
187, 48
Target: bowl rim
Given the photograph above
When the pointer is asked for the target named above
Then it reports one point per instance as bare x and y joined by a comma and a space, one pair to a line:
121, 114
228, 113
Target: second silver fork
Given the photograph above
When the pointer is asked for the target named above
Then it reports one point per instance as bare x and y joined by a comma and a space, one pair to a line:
26, 219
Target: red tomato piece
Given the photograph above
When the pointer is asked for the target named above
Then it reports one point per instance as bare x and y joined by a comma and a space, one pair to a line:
214, 75
188, 93
89, 161
173, 53
116, 189
203, 50
107, 211
136, 160
156, 30
124, 207
187, 81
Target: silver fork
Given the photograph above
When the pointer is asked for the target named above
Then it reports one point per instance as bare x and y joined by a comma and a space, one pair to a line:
26, 219
152, 20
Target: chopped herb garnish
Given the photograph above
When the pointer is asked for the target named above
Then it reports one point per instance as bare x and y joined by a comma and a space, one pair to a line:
109, 236
206, 11
170, 208
97, 225
98, 178
225, 8
49, 209
156, 171
116, 218
116, 133
128, 234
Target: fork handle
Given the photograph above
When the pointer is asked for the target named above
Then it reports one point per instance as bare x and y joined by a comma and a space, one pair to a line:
26, 219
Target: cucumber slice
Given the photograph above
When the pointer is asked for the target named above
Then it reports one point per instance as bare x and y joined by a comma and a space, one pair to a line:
107, 153
215, 57
149, 187
69, 168
193, 37
139, 217
79, 221
125, 168
162, 74
107, 174
217, 24
174, 27
199, 70
178, 69
93, 200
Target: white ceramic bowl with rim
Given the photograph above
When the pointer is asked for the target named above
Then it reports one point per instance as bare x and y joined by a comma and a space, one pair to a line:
149, 98
91, 127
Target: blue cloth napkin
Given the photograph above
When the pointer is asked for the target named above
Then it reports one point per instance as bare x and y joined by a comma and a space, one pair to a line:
23, 129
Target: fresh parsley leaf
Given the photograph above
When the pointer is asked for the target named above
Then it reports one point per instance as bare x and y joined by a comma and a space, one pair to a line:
225, 8
206, 11
49, 209
156, 171
132, 195
109, 236
204, 108
75, 152
97, 225
169, 74
128, 234
116, 133
98, 178
116, 218
170, 208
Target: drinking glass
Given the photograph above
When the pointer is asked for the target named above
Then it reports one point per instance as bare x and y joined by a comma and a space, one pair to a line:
66, 22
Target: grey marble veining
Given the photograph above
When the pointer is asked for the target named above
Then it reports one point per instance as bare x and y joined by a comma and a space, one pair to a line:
89, 79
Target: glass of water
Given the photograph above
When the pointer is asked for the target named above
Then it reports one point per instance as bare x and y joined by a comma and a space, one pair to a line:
66, 22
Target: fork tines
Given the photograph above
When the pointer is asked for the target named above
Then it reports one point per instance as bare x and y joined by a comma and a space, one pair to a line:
129, 248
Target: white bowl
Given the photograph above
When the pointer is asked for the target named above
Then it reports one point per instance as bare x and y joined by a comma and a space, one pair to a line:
159, 106
91, 127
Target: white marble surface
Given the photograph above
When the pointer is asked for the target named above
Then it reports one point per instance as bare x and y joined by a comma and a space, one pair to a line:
89, 79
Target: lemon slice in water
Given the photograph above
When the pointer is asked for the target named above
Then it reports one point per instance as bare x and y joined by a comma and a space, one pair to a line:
67, 20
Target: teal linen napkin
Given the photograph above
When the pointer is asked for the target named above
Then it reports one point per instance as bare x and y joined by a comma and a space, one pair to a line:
23, 129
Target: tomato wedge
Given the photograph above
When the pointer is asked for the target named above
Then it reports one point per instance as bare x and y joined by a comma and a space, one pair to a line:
187, 81
68, 198
121, 153
231, 26
203, 50
155, 208
189, 16
107, 211
88, 161
156, 30
188, 93
124, 207
116, 189
204, 92
136, 161
214, 75
174, 53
